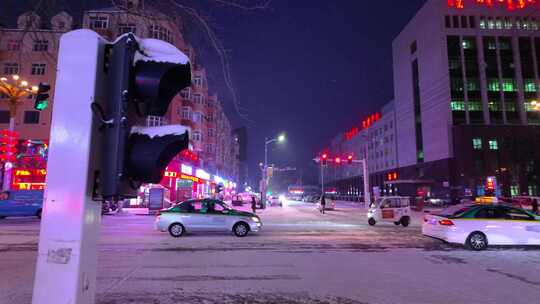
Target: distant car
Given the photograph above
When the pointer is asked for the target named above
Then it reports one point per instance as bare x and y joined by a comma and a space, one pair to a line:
275, 201
206, 215
478, 225
21, 203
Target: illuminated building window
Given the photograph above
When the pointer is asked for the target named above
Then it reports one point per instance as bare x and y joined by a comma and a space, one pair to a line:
466, 44
493, 85
477, 143
457, 106
507, 24
498, 23
490, 23
509, 85
514, 190
493, 144
482, 23
529, 85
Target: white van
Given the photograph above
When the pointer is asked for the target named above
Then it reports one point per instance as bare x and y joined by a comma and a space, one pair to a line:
394, 209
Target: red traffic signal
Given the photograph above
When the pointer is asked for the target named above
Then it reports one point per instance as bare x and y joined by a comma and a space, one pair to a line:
338, 160
349, 159
324, 158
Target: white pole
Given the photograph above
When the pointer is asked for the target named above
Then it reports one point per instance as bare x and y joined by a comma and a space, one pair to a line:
67, 254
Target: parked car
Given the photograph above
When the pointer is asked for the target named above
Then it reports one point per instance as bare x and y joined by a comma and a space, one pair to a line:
21, 203
478, 225
206, 215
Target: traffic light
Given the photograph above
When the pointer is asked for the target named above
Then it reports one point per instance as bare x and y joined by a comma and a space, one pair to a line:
349, 159
42, 97
324, 159
143, 76
337, 160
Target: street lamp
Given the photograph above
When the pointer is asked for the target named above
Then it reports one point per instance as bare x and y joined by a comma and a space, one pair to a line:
280, 138
16, 89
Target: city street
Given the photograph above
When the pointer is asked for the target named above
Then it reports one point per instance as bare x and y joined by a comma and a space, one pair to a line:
301, 256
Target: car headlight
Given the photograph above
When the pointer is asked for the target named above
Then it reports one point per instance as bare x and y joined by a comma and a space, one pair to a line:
255, 219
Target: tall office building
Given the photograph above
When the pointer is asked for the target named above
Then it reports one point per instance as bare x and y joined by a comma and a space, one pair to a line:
466, 76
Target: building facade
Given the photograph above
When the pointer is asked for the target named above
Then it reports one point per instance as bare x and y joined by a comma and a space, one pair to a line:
464, 94
31, 51
463, 109
374, 139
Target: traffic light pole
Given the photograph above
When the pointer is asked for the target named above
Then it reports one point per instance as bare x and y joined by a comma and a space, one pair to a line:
67, 253
365, 175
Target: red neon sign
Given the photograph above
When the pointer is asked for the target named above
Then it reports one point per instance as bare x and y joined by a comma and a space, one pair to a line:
509, 4
365, 123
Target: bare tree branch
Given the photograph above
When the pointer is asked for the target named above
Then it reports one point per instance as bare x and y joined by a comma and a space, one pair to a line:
259, 6
219, 48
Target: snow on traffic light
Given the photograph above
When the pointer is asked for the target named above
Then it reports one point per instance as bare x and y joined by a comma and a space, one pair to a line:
143, 77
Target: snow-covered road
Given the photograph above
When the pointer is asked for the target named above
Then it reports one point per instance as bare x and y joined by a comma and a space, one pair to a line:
300, 256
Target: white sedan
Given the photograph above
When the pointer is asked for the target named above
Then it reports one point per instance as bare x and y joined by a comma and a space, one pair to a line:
206, 215
476, 226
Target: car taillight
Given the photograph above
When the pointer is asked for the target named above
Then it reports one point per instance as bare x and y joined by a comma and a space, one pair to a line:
158, 213
446, 223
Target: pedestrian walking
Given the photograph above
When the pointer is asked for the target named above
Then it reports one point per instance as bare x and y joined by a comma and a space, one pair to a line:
323, 204
253, 204
535, 206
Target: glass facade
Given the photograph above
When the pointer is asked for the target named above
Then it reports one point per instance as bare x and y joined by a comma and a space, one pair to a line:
457, 93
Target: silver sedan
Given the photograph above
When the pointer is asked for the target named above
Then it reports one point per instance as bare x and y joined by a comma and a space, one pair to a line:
206, 215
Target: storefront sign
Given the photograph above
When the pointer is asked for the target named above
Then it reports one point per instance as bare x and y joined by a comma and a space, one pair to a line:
189, 177
186, 169
200, 173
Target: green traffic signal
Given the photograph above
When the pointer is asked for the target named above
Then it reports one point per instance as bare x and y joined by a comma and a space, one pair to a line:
41, 103
42, 98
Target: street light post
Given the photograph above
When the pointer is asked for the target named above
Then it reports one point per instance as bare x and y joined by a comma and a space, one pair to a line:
15, 89
267, 141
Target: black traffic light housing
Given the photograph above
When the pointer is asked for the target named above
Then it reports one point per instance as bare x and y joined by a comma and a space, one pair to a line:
41, 101
136, 86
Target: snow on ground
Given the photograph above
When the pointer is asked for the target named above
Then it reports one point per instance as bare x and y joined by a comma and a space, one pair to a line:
301, 256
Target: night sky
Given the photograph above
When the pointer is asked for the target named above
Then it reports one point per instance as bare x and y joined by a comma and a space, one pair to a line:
310, 68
